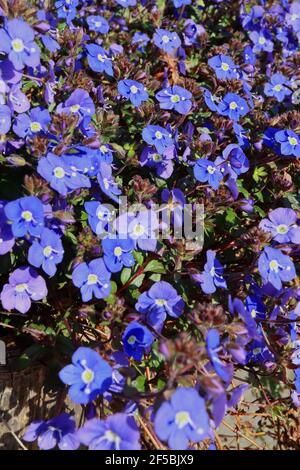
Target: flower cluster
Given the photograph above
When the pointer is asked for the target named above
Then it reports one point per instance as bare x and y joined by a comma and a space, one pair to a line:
172, 104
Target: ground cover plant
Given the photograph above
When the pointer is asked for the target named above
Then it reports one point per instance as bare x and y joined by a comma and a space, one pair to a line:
161, 340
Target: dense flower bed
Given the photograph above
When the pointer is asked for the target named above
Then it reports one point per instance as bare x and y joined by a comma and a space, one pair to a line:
171, 103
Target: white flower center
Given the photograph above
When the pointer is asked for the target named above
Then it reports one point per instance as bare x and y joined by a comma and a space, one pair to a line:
277, 87
211, 170
139, 229
133, 89
262, 40
293, 140
35, 126
27, 215
160, 302
165, 39
175, 98
47, 251
158, 134
59, 172
75, 108
87, 376
112, 437
182, 418
20, 288
233, 105
117, 251
17, 45
282, 228
131, 339
225, 66
92, 279
274, 265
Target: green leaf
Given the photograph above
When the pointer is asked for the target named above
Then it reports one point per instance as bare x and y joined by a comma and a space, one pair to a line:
259, 173
125, 275
155, 267
139, 257
139, 383
155, 277
137, 282
231, 216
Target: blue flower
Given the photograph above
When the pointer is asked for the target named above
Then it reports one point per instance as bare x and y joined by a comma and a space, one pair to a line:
141, 39
241, 135
158, 302
5, 119
47, 252
224, 67
174, 205
259, 353
99, 216
233, 161
66, 9
211, 101
26, 216
126, 3
99, 59
98, 24
17, 40
289, 142
7, 240
163, 163
107, 182
79, 103
59, 431
117, 432
24, 285
249, 55
212, 276
275, 267
140, 227
62, 174
93, 279
277, 87
88, 376
252, 20
293, 17
158, 136
207, 171
233, 106
136, 340
282, 224
213, 346
181, 419
33, 123
94, 157
175, 97
255, 307
50, 43
262, 41
166, 40
180, 3
133, 91
117, 253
